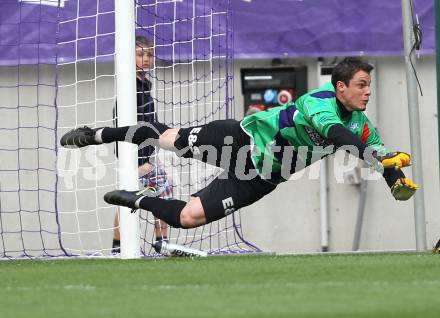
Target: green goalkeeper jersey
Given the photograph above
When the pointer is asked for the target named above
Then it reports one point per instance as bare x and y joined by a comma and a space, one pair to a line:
303, 125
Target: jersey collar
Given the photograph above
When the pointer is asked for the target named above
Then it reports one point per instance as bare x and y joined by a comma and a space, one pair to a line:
342, 110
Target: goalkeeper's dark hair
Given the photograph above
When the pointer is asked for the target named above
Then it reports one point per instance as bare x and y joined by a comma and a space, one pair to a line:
345, 70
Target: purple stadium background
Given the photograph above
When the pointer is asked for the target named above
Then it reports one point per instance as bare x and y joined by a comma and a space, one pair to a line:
293, 28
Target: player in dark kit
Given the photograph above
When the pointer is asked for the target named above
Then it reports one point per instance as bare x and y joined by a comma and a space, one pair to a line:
150, 170
263, 149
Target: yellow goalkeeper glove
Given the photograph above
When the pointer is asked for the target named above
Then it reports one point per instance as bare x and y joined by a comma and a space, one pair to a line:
403, 189
395, 159
436, 248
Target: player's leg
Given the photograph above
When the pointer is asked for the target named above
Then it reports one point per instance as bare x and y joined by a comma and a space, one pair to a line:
204, 142
137, 134
154, 176
116, 244
158, 179
216, 143
220, 198
160, 230
188, 141
177, 213
227, 193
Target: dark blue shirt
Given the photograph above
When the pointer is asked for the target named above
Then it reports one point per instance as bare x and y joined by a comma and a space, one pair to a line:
145, 113
145, 103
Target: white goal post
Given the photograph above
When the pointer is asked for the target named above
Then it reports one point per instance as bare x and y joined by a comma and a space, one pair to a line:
127, 116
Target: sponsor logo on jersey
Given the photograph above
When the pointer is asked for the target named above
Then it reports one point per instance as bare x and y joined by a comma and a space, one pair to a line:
316, 138
192, 138
228, 205
353, 125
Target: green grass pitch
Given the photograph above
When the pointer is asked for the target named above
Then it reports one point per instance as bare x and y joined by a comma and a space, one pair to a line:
343, 285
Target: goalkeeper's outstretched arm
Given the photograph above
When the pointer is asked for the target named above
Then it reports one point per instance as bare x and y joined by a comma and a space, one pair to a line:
389, 165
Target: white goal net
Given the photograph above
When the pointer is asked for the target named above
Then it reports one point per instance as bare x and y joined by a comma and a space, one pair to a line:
57, 72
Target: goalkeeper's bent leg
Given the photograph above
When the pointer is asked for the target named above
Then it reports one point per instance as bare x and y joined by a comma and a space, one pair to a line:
176, 213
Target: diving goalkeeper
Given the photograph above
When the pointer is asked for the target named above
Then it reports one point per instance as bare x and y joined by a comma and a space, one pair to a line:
263, 149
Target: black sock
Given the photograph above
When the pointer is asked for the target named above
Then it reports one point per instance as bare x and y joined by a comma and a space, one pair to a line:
166, 210
116, 246
161, 238
135, 134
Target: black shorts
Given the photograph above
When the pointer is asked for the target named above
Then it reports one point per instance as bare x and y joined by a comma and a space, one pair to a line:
224, 195
224, 144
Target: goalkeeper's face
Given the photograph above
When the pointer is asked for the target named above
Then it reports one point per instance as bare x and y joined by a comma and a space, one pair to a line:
144, 58
356, 95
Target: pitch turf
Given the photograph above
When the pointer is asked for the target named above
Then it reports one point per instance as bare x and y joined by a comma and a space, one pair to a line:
367, 285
